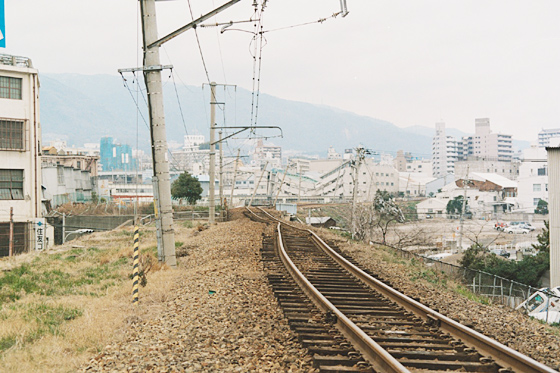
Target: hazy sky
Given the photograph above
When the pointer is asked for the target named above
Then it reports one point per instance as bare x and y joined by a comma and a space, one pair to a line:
410, 62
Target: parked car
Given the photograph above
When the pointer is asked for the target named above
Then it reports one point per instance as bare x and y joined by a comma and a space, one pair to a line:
527, 226
512, 223
501, 252
516, 229
499, 226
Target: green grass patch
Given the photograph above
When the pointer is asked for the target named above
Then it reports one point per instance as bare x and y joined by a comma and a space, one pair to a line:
461, 290
49, 318
188, 224
430, 276
7, 342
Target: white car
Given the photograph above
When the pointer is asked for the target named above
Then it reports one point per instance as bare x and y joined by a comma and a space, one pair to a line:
543, 305
516, 229
527, 226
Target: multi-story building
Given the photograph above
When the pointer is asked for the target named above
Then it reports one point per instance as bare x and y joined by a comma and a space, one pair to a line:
532, 183
546, 134
444, 152
68, 177
20, 149
332, 154
115, 156
485, 144
508, 170
267, 153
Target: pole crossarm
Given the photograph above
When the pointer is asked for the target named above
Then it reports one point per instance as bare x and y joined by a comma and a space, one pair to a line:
146, 68
241, 129
192, 24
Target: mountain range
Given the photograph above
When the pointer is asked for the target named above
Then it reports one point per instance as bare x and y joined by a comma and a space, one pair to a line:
83, 108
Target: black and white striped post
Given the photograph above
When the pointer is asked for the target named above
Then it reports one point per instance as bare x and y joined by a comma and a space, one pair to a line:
135, 277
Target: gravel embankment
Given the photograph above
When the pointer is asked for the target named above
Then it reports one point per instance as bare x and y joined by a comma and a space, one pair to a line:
509, 327
221, 316
240, 327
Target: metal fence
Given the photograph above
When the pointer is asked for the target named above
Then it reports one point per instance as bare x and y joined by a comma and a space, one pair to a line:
494, 288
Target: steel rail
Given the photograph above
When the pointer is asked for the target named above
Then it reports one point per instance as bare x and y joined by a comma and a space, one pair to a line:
503, 355
376, 355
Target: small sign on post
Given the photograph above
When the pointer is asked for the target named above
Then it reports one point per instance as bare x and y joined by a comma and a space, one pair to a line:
40, 228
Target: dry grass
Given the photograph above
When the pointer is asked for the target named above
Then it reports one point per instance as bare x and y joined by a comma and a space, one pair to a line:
59, 309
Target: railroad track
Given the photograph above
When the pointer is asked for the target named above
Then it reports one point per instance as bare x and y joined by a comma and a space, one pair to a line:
352, 322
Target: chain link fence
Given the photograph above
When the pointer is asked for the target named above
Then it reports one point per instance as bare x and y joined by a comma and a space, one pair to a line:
496, 289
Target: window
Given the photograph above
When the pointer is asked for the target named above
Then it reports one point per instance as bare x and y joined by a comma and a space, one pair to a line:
60, 175
11, 134
21, 238
536, 187
541, 171
11, 184
536, 201
10, 87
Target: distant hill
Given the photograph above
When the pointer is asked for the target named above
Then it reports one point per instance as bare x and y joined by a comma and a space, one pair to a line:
84, 108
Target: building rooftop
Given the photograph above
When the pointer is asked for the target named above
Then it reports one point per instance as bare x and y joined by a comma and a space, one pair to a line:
6, 59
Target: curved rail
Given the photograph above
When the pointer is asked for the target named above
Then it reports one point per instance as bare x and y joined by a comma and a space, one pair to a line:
377, 356
503, 355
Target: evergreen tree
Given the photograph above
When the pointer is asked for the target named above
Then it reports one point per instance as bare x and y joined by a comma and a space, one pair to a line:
188, 187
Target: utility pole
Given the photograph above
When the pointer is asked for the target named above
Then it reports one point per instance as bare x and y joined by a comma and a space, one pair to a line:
234, 177
63, 226
257, 186
11, 238
299, 184
280, 187
360, 156
465, 184
221, 180
152, 76
211, 171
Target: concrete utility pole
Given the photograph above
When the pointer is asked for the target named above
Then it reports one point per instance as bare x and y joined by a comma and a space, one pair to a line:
465, 185
211, 171
299, 183
258, 183
11, 237
152, 77
221, 179
281, 184
360, 156
234, 177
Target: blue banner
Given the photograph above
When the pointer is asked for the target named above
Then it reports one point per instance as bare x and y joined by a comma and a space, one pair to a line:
2, 26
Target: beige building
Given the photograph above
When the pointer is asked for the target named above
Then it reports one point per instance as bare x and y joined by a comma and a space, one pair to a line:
20, 145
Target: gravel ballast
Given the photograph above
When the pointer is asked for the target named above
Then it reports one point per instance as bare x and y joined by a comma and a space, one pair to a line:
222, 315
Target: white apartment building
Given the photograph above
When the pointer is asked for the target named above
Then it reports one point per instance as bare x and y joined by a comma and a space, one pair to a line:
444, 152
20, 152
192, 141
532, 183
508, 170
485, 144
546, 134
270, 154
332, 154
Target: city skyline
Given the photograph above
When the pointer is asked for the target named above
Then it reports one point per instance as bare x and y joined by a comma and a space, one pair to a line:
407, 63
